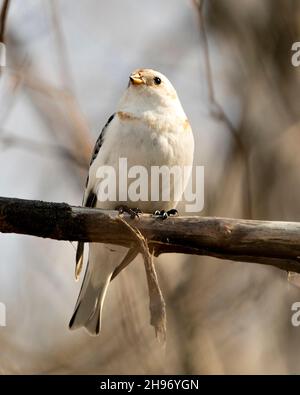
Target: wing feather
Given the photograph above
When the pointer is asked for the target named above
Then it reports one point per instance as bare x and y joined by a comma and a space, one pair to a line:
91, 198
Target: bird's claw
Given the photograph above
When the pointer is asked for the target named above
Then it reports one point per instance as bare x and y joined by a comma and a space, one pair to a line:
163, 214
133, 212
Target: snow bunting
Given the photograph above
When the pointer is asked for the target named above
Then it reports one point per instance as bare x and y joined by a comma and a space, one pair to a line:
149, 129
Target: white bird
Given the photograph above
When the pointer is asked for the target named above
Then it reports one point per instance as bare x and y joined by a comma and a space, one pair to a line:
149, 128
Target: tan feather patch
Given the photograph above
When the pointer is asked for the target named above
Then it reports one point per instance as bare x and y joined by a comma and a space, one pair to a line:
125, 116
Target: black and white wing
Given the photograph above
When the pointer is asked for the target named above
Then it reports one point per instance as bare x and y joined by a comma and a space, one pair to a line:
91, 199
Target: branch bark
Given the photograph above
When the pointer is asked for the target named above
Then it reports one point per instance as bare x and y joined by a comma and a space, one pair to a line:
264, 242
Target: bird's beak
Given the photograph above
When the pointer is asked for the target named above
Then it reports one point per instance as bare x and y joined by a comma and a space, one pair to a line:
136, 79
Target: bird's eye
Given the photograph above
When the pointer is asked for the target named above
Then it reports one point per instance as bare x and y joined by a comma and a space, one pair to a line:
157, 80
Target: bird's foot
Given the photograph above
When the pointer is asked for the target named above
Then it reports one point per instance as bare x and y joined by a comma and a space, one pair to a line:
133, 212
163, 214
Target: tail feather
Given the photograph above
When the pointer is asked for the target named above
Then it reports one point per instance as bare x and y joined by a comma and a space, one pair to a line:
79, 259
103, 261
88, 309
94, 323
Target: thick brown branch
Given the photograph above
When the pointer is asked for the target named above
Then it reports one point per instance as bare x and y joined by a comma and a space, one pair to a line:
265, 242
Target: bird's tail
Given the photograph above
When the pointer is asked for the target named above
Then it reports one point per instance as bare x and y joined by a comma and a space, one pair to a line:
103, 260
88, 309
89, 305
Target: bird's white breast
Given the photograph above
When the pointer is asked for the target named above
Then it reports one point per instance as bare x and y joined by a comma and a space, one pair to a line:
147, 140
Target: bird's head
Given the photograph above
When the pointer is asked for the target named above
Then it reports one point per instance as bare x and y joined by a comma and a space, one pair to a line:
149, 90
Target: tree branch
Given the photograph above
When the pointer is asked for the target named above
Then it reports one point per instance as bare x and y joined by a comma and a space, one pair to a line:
43, 149
3, 16
264, 242
219, 113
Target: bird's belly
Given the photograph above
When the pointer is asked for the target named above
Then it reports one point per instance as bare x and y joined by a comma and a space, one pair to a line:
139, 155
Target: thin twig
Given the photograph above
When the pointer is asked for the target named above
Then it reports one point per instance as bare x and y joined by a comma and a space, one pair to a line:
3, 18
219, 113
62, 54
80, 133
58, 110
9, 141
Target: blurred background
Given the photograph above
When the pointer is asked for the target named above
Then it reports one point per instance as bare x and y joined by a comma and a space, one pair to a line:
67, 65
